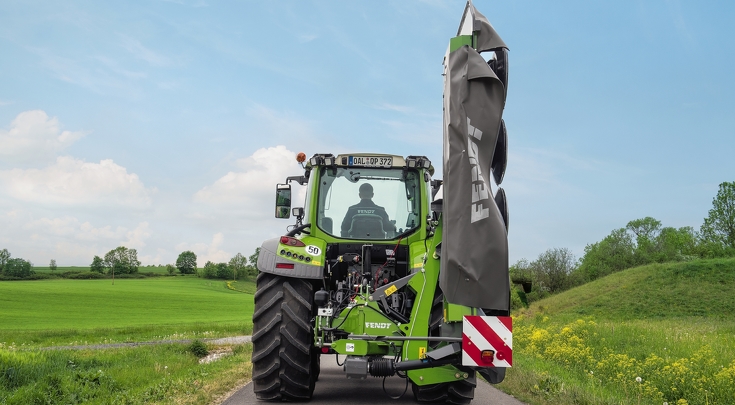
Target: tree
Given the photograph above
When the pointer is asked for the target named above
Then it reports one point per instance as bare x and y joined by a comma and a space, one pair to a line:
170, 268
209, 270
238, 264
121, 260
719, 226
553, 268
17, 267
252, 269
645, 228
646, 231
612, 254
4, 257
676, 244
187, 262
223, 271
97, 265
254, 258
216, 270
52, 265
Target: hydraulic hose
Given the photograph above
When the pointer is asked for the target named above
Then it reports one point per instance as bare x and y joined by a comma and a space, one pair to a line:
298, 230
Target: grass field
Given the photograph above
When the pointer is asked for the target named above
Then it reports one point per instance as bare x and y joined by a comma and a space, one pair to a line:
54, 312
35, 314
656, 334
165, 374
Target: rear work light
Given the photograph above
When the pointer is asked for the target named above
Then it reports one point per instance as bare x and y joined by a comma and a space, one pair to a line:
284, 266
287, 240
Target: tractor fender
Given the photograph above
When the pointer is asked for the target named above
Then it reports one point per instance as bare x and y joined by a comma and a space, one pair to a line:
268, 258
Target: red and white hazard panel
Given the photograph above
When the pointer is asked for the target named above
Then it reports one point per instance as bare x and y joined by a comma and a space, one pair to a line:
487, 341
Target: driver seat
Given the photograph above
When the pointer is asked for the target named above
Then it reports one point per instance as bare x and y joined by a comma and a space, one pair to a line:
367, 226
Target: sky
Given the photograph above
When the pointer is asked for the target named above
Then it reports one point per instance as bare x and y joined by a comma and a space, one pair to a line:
164, 126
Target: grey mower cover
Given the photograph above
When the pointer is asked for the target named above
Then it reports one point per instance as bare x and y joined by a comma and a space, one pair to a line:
474, 260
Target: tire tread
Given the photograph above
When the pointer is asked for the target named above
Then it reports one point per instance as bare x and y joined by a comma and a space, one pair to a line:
282, 339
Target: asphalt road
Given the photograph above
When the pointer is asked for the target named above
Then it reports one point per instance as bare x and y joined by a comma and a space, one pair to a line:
334, 388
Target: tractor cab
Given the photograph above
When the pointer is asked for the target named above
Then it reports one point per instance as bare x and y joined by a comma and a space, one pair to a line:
361, 196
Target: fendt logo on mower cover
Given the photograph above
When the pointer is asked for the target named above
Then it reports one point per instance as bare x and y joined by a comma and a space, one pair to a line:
377, 325
479, 192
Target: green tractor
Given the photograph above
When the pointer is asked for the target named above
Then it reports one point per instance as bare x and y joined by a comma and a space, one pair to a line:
375, 270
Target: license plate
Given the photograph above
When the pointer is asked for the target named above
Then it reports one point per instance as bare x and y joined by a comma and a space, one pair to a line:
371, 161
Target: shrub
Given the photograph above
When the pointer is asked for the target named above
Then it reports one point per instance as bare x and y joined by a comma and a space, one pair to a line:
198, 348
224, 271
217, 270
209, 270
517, 299
82, 275
129, 276
97, 265
17, 267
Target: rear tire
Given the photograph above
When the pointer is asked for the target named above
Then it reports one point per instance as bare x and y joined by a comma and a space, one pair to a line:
459, 392
316, 364
282, 339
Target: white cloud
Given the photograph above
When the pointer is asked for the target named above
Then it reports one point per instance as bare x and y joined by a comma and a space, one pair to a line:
68, 239
33, 136
36, 203
208, 252
89, 233
241, 204
252, 189
162, 256
73, 182
72, 228
137, 237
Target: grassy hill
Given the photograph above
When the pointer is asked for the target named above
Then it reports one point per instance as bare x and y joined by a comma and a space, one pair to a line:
656, 291
662, 333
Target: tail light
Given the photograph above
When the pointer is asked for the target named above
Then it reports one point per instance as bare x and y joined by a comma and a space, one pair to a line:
290, 241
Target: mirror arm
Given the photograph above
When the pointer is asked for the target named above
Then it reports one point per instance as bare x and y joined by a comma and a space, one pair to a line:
299, 179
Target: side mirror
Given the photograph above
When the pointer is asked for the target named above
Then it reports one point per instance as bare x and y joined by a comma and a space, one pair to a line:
283, 201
